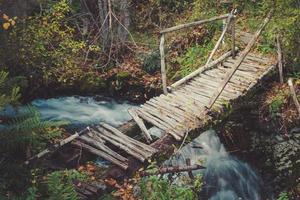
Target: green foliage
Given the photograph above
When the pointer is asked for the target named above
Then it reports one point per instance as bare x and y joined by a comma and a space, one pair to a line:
283, 196
194, 58
151, 62
9, 93
45, 49
27, 129
277, 102
154, 188
60, 184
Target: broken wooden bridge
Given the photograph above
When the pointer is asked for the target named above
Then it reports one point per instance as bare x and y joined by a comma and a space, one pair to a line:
185, 105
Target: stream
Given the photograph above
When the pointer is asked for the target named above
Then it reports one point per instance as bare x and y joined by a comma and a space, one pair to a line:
225, 177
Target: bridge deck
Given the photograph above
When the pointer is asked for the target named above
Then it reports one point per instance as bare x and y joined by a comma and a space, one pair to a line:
181, 111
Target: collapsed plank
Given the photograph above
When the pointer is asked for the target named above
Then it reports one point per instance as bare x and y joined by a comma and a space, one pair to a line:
97, 152
141, 124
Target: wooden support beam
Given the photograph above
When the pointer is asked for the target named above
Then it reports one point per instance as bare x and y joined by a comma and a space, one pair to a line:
280, 65
294, 95
220, 39
175, 169
192, 24
141, 124
163, 64
239, 61
200, 70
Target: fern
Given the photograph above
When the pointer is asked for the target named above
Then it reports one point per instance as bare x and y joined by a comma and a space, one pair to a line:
9, 93
27, 129
60, 184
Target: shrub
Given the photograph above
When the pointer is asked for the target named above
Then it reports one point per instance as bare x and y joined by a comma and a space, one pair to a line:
151, 63
45, 48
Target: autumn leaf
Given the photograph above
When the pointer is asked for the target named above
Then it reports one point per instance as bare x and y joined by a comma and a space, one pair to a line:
6, 25
5, 17
13, 22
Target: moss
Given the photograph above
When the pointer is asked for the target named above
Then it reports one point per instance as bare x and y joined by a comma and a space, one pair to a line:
123, 75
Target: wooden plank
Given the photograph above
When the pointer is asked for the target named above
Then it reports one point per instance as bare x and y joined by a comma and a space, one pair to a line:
164, 118
239, 61
102, 147
128, 139
155, 120
200, 70
123, 165
192, 24
173, 114
158, 124
188, 111
141, 124
244, 66
120, 143
167, 108
257, 59
230, 85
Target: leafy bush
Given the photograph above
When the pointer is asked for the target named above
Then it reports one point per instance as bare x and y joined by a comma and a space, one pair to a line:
151, 63
45, 49
154, 188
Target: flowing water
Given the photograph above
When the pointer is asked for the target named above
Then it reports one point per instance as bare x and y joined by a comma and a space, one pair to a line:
80, 110
225, 177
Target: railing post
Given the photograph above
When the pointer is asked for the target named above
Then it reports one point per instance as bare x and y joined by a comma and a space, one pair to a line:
233, 37
279, 52
163, 63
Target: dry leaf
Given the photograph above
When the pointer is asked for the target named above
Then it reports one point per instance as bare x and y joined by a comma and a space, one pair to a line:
6, 25
5, 17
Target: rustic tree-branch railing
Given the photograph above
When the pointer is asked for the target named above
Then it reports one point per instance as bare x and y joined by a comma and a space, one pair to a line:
230, 21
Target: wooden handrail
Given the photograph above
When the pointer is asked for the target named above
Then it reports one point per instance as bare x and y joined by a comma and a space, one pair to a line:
220, 39
200, 70
244, 53
197, 23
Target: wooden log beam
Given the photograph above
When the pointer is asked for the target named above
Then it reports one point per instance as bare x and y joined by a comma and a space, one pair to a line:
280, 65
175, 169
294, 95
220, 39
141, 124
192, 24
239, 61
163, 63
200, 70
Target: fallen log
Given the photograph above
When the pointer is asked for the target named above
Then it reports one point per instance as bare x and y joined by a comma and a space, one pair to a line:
175, 169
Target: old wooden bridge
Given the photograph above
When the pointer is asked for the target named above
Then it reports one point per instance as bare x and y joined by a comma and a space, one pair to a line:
184, 105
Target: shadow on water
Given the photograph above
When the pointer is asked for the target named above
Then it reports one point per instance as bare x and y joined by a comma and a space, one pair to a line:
225, 177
